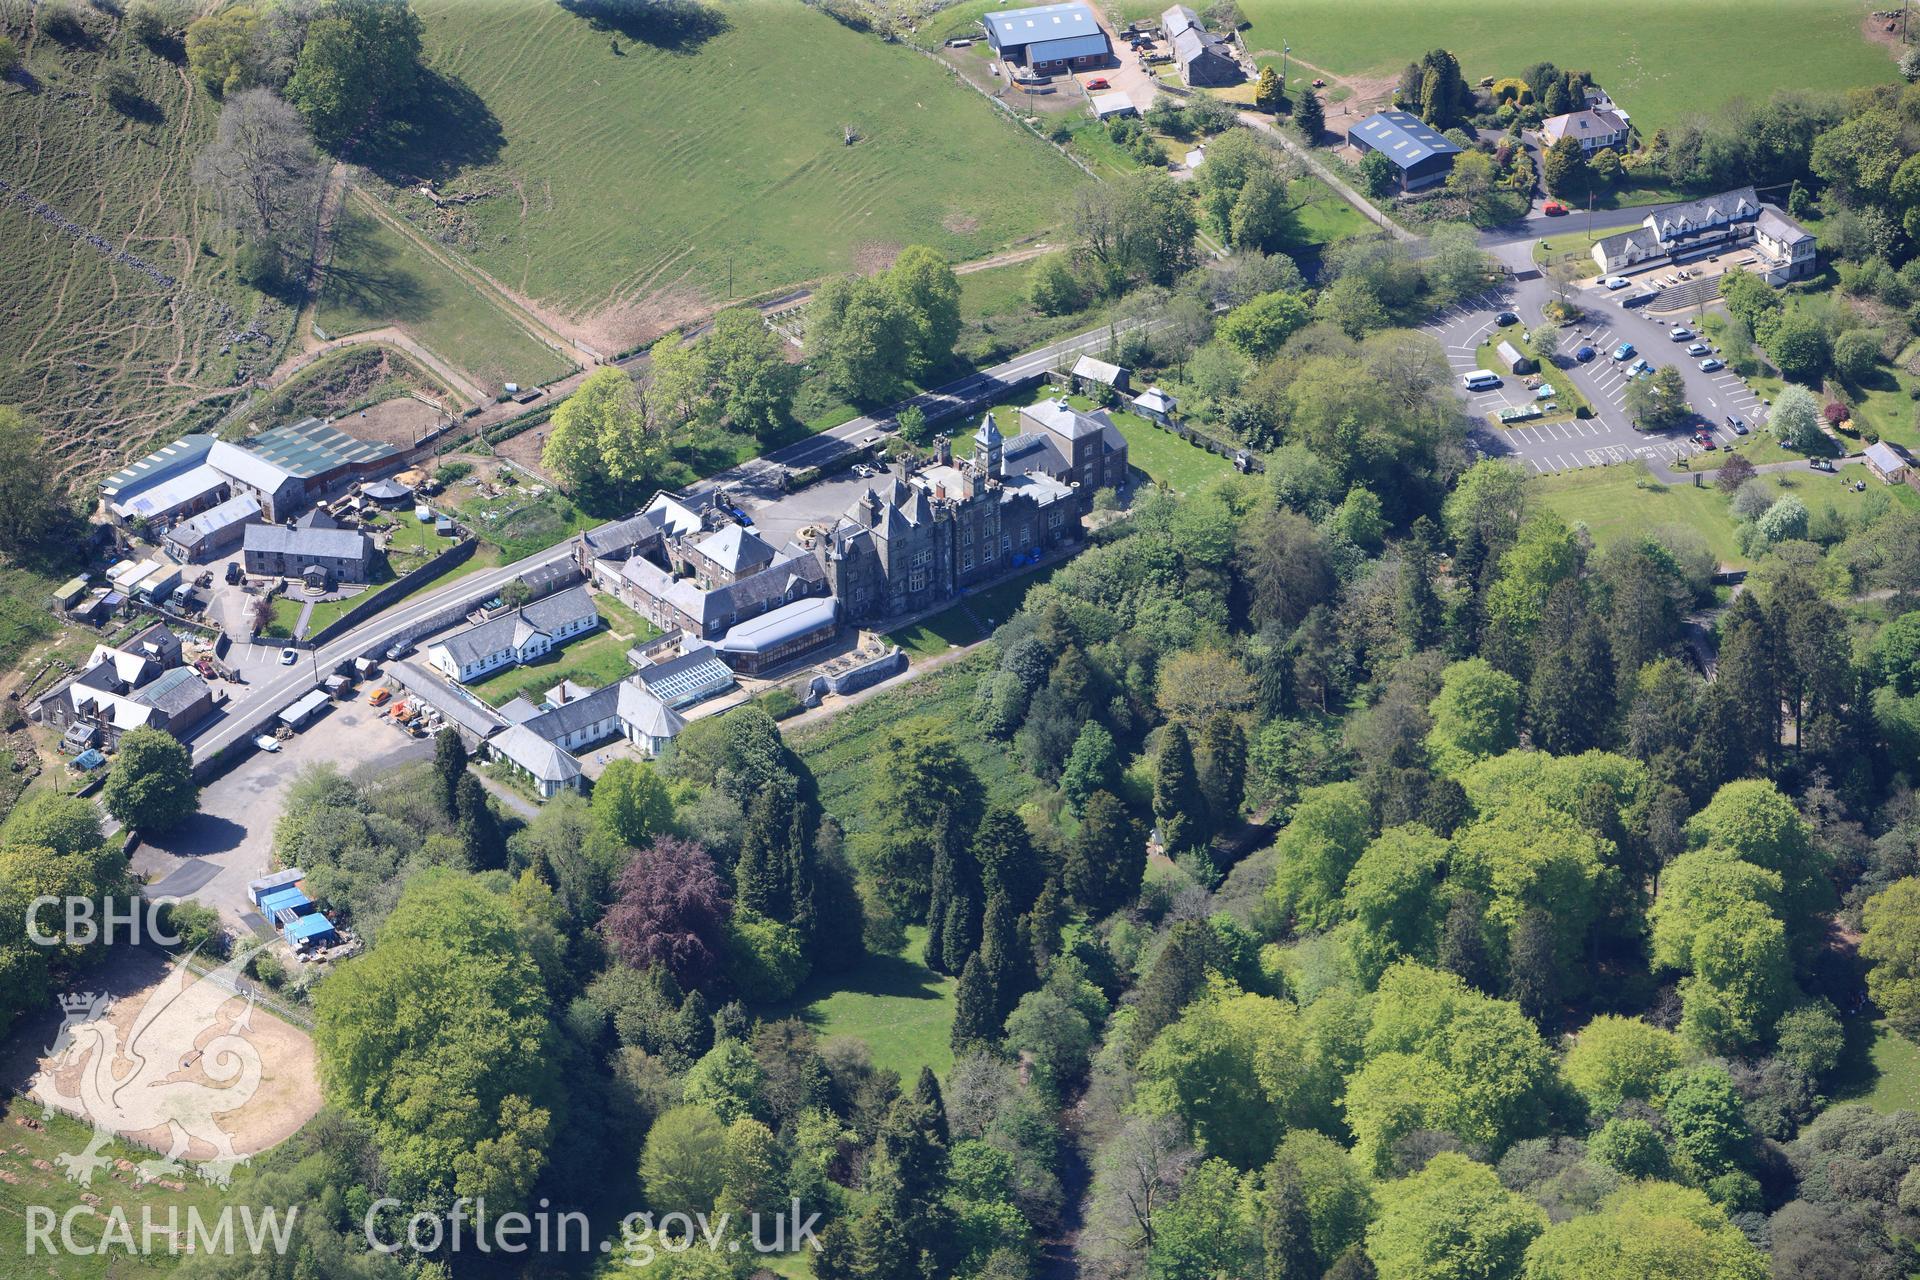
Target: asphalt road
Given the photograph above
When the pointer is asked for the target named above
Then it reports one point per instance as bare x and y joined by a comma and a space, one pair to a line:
759, 480
1539, 225
1608, 437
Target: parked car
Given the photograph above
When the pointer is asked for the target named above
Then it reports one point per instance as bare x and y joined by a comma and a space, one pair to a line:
1638, 367
1615, 282
1706, 443
267, 742
1737, 425
1623, 352
1710, 364
1821, 464
1554, 209
1098, 82
1679, 333
289, 656
1506, 318
379, 696
1699, 349
1584, 354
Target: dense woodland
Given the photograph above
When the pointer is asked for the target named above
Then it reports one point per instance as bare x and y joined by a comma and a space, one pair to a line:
1394, 896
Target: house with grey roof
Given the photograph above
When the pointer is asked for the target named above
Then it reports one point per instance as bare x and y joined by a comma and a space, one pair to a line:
1204, 59
215, 531
722, 558
580, 718
547, 765
1780, 248
1593, 129
137, 685
645, 718
311, 553
1420, 155
514, 636
1089, 374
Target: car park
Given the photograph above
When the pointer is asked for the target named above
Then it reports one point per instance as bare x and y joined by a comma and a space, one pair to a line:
1710, 365
1679, 333
1736, 425
1699, 349
1616, 282
1623, 352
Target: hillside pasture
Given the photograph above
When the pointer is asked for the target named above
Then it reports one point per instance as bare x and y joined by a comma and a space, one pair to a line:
1661, 61
377, 277
635, 181
111, 343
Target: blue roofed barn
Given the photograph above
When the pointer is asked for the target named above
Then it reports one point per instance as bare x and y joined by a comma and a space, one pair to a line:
1050, 37
1419, 154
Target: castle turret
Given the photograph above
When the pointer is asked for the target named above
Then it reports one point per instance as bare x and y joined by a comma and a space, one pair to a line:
986, 448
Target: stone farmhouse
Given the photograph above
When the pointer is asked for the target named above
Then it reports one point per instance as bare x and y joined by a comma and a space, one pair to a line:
141, 683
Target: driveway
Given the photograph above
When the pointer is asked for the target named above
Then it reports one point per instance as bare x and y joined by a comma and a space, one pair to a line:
1608, 437
230, 841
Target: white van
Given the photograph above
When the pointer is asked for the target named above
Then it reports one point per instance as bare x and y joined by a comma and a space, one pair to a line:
1480, 380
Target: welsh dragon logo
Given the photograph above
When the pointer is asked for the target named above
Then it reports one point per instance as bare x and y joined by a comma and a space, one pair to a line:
140, 1082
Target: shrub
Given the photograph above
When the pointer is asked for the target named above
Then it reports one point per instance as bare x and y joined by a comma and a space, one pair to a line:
779, 703
119, 90
198, 927
62, 23
9, 57
268, 968
452, 472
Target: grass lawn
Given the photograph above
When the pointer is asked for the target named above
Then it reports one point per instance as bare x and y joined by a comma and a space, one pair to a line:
1896, 1068
1093, 144
954, 626
377, 277
901, 1008
1660, 61
840, 749
27, 1183
1614, 501
1166, 458
1324, 217
286, 616
729, 149
1566, 395
595, 660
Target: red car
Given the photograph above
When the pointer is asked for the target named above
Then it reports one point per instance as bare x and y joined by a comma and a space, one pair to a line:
1554, 209
1098, 82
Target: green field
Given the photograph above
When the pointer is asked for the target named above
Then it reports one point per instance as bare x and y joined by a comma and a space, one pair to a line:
26, 1183
1896, 1072
901, 1008
1661, 61
377, 277
1324, 217
628, 184
1613, 501
1164, 457
108, 357
839, 749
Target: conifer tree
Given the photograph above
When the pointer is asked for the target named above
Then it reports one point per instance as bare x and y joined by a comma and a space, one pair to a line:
1176, 793
479, 830
1286, 1228
975, 1023
1310, 117
1001, 955
1223, 767
450, 764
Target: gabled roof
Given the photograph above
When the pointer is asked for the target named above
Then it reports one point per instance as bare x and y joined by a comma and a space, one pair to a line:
621, 536
572, 717
1728, 206
518, 711
560, 608
307, 544
735, 549
646, 714
536, 755
1778, 226
182, 455
1061, 418
1040, 23
1885, 457
672, 515
1177, 19
681, 680
1402, 137
168, 495
248, 468
1595, 123
310, 447
514, 629
1097, 370
233, 511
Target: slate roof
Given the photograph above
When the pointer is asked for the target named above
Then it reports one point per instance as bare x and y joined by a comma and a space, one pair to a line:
637, 706
308, 544
1777, 226
1728, 206
735, 549
1583, 124
1402, 137
1032, 451
518, 711
536, 755
571, 717
1178, 19
560, 608
621, 537
512, 629
1061, 418
1097, 370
